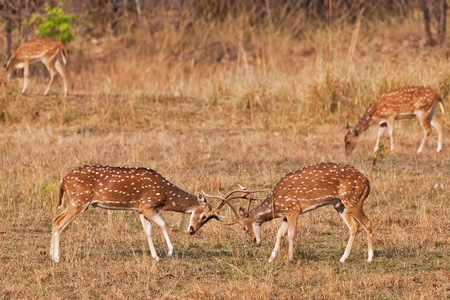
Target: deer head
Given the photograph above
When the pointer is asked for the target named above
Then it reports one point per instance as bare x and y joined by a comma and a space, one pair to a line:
351, 138
201, 215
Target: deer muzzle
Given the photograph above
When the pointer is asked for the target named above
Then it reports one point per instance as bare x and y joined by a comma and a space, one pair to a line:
191, 230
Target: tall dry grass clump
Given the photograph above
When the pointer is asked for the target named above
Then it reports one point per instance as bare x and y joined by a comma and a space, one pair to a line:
241, 66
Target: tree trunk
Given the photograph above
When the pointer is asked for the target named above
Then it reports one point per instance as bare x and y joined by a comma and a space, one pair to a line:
427, 18
444, 21
8, 35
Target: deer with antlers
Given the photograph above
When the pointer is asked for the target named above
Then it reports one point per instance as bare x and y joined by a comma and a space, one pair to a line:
45, 50
401, 103
127, 188
304, 190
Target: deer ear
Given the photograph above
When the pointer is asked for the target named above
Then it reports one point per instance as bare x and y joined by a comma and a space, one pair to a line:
243, 212
352, 130
201, 199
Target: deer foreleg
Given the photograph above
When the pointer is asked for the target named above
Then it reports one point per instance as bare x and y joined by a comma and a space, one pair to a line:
148, 231
281, 233
381, 130
8, 77
26, 74
153, 216
390, 124
160, 222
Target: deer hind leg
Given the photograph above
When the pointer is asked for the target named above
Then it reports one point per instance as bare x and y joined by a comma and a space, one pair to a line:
362, 219
62, 72
425, 122
59, 223
151, 215
352, 225
50, 65
435, 123
281, 233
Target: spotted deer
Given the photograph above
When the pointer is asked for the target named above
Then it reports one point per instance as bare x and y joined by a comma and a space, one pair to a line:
401, 103
45, 50
304, 190
127, 188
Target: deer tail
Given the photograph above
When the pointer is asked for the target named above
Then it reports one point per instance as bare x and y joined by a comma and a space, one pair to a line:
64, 55
61, 194
441, 104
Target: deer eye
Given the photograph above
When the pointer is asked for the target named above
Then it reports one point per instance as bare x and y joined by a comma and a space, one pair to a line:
245, 228
203, 217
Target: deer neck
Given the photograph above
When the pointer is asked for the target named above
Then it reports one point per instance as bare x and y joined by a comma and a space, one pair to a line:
178, 200
366, 120
9, 66
264, 211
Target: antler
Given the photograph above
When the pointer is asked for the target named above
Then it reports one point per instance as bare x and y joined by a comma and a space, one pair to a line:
225, 200
250, 197
231, 197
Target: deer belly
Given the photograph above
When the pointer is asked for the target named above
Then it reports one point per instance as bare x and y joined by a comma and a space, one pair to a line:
116, 199
316, 204
18, 66
113, 204
405, 116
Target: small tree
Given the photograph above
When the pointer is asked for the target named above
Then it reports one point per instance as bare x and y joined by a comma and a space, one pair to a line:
55, 24
438, 9
380, 153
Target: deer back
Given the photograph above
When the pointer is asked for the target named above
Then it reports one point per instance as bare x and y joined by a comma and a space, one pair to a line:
35, 50
404, 102
123, 188
312, 187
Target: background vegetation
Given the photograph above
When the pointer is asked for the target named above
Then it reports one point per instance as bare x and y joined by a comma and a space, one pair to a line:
213, 94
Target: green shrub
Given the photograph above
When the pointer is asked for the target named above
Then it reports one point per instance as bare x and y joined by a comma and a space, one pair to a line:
55, 24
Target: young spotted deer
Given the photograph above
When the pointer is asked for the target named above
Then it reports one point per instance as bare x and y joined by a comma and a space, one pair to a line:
304, 190
401, 103
45, 50
139, 189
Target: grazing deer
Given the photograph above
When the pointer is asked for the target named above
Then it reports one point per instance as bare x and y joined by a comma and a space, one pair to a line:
304, 190
45, 50
124, 188
401, 103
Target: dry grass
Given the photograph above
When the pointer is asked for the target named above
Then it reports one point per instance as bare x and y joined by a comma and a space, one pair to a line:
274, 106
